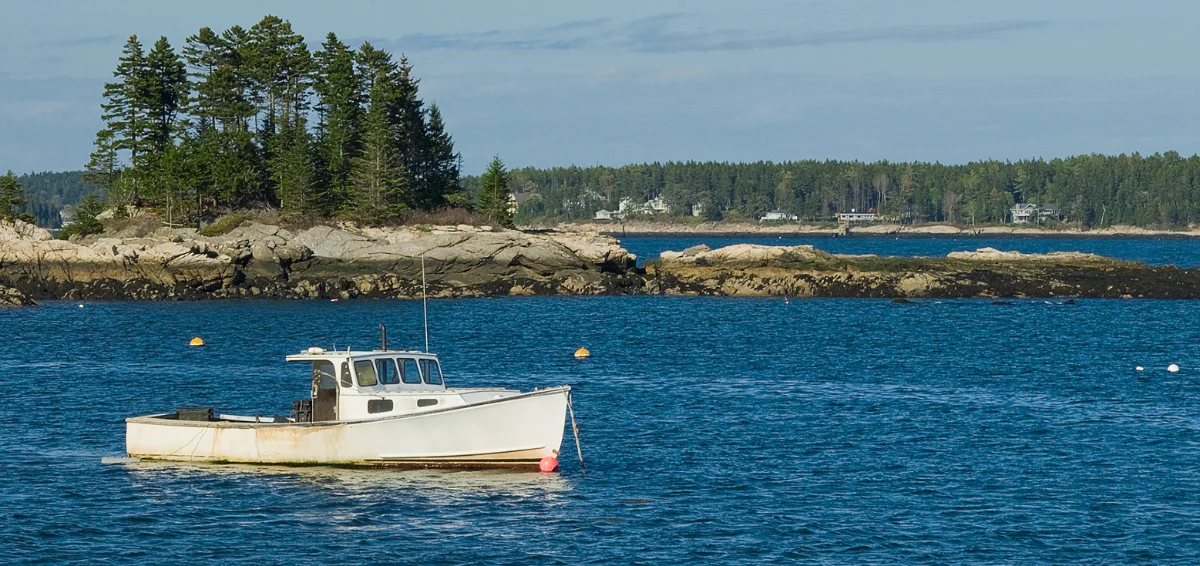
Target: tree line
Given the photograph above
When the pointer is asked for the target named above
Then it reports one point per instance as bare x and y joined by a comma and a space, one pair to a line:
248, 118
1091, 190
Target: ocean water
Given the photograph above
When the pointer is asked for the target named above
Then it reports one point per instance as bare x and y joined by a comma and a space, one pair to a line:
714, 430
1181, 252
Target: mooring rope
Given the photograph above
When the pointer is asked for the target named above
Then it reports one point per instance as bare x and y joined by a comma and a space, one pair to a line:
575, 429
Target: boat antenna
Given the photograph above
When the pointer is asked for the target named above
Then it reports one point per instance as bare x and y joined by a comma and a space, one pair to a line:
425, 303
383, 337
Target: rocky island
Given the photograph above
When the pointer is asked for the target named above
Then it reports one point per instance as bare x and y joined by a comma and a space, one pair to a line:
345, 261
319, 262
803, 271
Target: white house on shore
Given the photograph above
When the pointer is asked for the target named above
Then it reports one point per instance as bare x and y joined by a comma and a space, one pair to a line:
776, 216
1028, 212
856, 217
627, 208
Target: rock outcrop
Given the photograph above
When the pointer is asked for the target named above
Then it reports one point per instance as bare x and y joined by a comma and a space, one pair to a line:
346, 261
320, 262
801, 271
10, 297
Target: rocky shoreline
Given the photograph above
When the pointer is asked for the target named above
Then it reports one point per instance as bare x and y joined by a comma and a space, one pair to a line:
261, 261
803, 271
345, 262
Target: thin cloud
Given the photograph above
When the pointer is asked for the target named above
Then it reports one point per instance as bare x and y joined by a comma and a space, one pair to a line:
651, 35
655, 34
85, 41
569, 35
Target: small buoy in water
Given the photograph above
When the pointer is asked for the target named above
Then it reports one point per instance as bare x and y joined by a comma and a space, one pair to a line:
80, 305
1173, 368
1139, 368
197, 341
548, 464
333, 300
582, 353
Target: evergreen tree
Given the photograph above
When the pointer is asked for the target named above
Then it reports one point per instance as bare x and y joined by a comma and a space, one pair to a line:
494, 194
12, 199
339, 104
409, 116
85, 222
441, 166
126, 114
292, 169
207, 54
166, 94
378, 181
278, 65
103, 168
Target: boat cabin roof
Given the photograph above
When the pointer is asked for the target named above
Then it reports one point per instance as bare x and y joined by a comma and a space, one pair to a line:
317, 354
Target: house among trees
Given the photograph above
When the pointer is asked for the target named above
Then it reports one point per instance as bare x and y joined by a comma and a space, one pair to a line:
856, 217
627, 208
1027, 213
608, 215
776, 215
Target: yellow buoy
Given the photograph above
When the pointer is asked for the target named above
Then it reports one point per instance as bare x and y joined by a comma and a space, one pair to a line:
582, 353
197, 341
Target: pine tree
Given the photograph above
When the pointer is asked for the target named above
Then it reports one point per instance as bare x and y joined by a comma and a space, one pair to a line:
278, 63
126, 114
12, 199
103, 168
494, 195
206, 54
166, 94
292, 168
339, 104
85, 222
410, 133
442, 169
377, 175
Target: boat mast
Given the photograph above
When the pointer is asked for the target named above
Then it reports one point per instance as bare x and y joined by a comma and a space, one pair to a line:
425, 303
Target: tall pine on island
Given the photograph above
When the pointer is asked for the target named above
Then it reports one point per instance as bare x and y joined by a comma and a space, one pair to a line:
252, 118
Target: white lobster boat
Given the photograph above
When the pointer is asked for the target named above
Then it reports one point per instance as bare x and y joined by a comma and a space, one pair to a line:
369, 408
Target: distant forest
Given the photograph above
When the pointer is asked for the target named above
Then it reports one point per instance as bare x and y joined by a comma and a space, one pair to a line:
252, 118
49, 193
1091, 190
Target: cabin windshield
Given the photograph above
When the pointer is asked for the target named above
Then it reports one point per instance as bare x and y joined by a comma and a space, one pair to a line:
409, 373
433, 373
365, 370
385, 369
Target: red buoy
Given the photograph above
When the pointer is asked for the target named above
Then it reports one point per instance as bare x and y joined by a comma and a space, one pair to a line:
548, 464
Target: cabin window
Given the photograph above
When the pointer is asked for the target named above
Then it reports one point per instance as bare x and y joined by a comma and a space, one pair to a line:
346, 375
410, 373
433, 373
324, 376
379, 406
365, 370
385, 369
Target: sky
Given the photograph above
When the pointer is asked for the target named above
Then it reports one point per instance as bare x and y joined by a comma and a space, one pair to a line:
556, 83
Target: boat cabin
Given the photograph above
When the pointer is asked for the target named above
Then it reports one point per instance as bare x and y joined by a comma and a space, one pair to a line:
350, 385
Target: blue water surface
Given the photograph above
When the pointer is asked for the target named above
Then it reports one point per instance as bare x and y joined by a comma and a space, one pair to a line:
714, 430
1181, 252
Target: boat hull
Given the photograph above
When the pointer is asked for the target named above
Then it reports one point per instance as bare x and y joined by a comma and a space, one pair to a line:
515, 431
